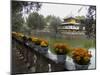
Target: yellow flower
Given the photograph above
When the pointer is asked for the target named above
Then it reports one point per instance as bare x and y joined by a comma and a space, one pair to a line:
61, 48
20, 34
34, 39
44, 43
13, 32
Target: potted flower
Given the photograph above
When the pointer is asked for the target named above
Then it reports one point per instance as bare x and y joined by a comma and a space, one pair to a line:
61, 50
14, 33
44, 46
26, 39
36, 43
31, 41
18, 35
81, 57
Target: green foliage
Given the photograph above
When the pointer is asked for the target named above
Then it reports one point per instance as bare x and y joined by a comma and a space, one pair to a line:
53, 22
91, 22
18, 6
17, 22
80, 17
36, 21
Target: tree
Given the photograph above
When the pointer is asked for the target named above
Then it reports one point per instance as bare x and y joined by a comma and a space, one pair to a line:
35, 21
81, 19
27, 6
17, 23
91, 22
54, 22
19, 8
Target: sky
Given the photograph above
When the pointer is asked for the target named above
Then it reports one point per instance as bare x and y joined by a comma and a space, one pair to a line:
62, 10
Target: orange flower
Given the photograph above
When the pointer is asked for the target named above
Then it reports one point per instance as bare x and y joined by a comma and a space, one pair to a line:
18, 34
81, 55
61, 48
78, 58
44, 43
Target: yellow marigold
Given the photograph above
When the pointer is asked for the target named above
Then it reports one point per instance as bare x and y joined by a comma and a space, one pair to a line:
20, 34
81, 55
61, 48
78, 58
34, 39
86, 58
14, 33
44, 43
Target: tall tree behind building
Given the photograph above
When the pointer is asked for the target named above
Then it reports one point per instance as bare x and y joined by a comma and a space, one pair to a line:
91, 22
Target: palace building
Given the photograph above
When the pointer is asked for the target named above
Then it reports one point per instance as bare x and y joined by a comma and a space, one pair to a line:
71, 24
